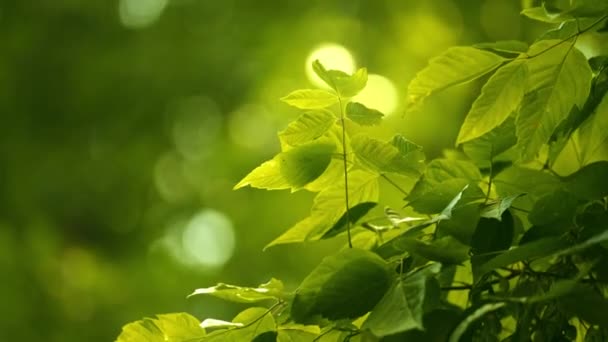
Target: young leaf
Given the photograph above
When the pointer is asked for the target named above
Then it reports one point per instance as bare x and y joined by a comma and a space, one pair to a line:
176, 327
495, 209
363, 115
455, 66
344, 285
270, 290
297, 333
308, 127
500, 96
383, 157
345, 85
310, 99
559, 78
402, 307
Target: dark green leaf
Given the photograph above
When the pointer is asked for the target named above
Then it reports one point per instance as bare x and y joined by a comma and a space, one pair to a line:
589, 183
310, 99
363, 115
556, 208
471, 318
356, 212
446, 250
587, 304
344, 285
490, 236
455, 66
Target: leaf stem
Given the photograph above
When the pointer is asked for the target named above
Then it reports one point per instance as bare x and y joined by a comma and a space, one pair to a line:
394, 184
342, 121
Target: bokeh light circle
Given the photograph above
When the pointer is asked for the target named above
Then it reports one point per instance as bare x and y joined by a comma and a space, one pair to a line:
140, 13
380, 93
208, 239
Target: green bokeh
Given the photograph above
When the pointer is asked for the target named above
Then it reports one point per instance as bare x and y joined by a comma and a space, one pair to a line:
120, 121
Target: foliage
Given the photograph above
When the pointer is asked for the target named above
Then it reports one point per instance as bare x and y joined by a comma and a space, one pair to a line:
497, 221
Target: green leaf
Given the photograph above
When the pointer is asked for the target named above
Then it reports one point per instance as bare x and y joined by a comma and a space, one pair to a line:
556, 209
499, 97
494, 209
310, 99
442, 180
587, 304
589, 183
593, 133
539, 248
402, 307
344, 285
252, 322
484, 150
297, 333
455, 66
383, 157
558, 79
303, 164
363, 115
266, 176
309, 126
329, 206
355, 213
516, 180
273, 289
177, 327
345, 85
508, 46
540, 14
491, 235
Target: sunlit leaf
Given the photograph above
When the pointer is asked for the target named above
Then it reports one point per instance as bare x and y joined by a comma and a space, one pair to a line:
559, 78
508, 46
266, 176
455, 66
254, 322
500, 96
344, 84
270, 290
384, 157
363, 115
310, 99
303, 164
344, 285
297, 333
485, 149
177, 327
309, 126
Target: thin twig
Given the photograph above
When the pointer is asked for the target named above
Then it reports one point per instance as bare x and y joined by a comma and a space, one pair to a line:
393, 183
342, 121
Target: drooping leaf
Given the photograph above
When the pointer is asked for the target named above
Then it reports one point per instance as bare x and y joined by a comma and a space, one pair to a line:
309, 126
491, 235
484, 150
345, 85
555, 209
310, 99
254, 322
589, 183
303, 164
402, 307
344, 285
363, 115
539, 13
177, 327
455, 66
508, 46
385, 157
330, 205
354, 215
499, 97
273, 289
558, 79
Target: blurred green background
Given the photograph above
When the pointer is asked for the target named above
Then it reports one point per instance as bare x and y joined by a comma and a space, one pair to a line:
125, 124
